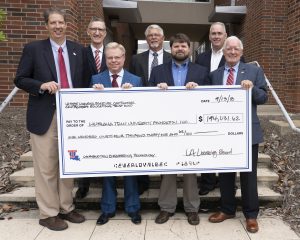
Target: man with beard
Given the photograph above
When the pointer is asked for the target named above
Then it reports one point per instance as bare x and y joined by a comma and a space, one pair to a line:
142, 64
179, 72
96, 63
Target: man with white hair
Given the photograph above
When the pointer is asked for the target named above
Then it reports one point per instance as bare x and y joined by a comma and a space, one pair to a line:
235, 72
142, 64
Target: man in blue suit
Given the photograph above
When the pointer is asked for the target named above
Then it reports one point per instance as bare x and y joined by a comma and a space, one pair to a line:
116, 76
179, 72
248, 76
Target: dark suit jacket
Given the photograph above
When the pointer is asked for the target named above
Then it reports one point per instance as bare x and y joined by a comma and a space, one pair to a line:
259, 91
36, 67
139, 65
104, 79
92, 69
163, 73
204, 59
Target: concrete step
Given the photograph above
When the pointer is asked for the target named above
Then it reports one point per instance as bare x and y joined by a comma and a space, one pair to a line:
263, 159
284, 126
26, 196
25, 177
268, 110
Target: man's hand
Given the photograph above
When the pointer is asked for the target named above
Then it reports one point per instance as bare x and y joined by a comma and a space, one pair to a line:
127, 85
162, 86
246, 84
52, 87
98, 86
191, 85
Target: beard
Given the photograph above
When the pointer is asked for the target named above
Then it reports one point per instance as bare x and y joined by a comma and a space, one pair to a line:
180, 57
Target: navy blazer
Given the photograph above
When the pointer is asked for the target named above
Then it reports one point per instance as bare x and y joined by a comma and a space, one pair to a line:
259, 91
139, 65
92, 69
163, 73
204, 59
36, 67
104, 78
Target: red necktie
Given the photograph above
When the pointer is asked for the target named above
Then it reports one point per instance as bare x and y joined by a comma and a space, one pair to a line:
230, 78
97, 60
62, 70
114, 80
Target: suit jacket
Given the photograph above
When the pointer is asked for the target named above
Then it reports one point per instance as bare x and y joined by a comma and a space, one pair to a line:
139, 65
163, 73
92, 69
259, 91
36, 67
104, 78
204, 59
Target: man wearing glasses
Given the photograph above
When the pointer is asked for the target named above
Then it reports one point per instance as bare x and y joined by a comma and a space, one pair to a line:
96, 63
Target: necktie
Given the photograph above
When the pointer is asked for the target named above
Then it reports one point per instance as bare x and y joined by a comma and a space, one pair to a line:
155, 60
62, 70
114, 81
230, 78
97, 60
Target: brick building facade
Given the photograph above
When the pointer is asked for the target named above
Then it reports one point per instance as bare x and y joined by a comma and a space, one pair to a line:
270, 32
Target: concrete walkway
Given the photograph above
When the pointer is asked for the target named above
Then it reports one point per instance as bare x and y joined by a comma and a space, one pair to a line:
24, 226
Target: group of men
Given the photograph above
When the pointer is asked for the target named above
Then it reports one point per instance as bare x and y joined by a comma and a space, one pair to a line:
54, 63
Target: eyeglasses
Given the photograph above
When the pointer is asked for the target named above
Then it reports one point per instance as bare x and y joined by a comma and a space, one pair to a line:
97, 29
117, 58
154, 35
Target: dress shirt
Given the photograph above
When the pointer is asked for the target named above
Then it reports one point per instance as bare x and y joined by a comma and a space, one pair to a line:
160, 58
215, 60
55, 48
226, 73
100, 53
179, 72
120, 77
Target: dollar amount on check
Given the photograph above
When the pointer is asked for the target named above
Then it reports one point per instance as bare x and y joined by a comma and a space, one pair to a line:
117, 132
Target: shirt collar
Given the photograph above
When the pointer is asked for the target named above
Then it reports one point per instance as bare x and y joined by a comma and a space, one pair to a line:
94, 49
120, 74
235, 67
56, 46
184, 64
158, 52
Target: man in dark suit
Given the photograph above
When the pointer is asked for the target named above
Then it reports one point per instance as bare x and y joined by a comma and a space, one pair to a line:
96, 63
142, 64
248, 76
44, 68
116, 76
212, 60
178, 72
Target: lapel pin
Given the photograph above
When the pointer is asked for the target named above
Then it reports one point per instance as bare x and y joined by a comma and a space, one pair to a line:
74, 54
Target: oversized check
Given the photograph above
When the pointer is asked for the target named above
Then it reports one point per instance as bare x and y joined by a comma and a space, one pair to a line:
151, 131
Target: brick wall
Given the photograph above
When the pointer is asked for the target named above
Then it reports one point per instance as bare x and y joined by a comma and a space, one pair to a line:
24, 23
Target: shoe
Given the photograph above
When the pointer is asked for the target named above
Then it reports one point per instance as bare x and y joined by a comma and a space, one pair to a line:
81, 192
163, 217
251, 225
219, 217
104, 218
73, 217
193, 218
203, 192
135, 217
54, 223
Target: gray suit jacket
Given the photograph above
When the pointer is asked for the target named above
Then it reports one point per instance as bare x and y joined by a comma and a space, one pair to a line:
259, 91
139, 65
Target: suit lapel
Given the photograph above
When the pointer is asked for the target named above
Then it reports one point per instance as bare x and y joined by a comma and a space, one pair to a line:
220, 75
91, 59
72, 51
241, 75
145, 62
48, 55
170, 74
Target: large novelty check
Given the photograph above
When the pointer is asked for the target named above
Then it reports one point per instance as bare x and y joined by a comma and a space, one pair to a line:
150, 131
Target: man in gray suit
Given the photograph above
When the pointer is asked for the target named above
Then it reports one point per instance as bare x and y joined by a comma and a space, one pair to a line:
248, 76
142, 64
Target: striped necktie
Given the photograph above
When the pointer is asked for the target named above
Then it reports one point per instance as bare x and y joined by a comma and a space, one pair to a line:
97, 60
230, 79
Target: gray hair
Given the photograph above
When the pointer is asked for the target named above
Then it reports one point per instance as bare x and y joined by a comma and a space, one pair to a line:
218, 23
233, 38
154, 26
96, 19
115, 45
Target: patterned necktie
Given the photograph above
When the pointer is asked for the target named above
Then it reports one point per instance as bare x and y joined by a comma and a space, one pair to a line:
62, 70
97, 60
155, 60
230, 78
114, 80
